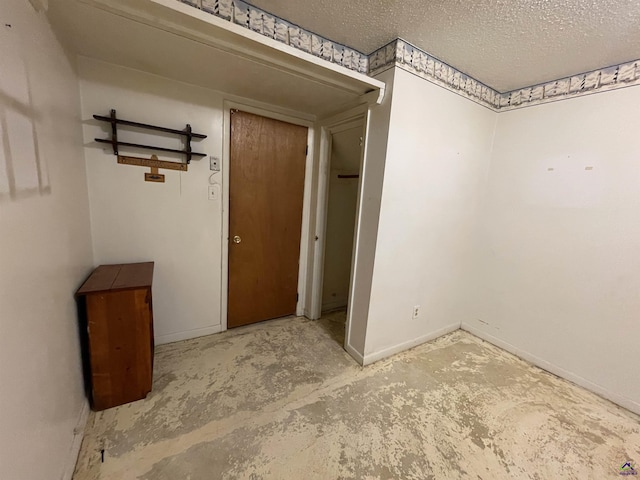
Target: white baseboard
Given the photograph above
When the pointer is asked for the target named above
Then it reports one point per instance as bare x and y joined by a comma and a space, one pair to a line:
76, 443
327, 307
188, 334
370, 358
549, 367
357, 356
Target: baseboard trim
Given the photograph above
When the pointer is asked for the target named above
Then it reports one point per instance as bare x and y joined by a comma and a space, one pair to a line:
357, 356
327, 307
554, 369
401, 347
187, 334
76, 443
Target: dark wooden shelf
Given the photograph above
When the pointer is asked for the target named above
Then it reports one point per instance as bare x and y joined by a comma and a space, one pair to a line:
114, 121
119, 121
148, 147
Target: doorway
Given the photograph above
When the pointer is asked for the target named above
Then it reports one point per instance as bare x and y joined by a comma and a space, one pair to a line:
342, 201
267, 160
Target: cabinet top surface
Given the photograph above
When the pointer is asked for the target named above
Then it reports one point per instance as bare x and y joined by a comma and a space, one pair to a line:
124, 276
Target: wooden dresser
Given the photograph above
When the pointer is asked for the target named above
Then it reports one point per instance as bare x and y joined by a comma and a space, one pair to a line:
115, 302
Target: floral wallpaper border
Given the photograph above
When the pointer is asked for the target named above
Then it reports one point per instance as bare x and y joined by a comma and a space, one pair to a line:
257, 20
402, 54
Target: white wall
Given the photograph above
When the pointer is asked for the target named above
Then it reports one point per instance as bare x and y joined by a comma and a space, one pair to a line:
371, 179
557, 267
548, 256
341, 217
45, 248
173, 224
437, 156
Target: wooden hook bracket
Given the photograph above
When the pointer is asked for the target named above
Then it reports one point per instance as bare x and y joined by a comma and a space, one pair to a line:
154, 164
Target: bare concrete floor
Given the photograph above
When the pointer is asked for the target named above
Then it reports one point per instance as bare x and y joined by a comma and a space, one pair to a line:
282, 400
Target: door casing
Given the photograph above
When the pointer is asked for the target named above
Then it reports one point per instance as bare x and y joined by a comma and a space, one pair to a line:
324, 194
334, 124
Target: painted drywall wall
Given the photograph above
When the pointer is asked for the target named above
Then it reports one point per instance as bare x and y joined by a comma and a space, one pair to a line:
174, 223
346, 153
556, 268
371, 178
45, 249
437, 157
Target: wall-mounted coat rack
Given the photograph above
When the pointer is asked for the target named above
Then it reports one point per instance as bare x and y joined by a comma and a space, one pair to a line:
153, 162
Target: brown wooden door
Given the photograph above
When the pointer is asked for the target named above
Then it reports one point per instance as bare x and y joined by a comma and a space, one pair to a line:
266, 186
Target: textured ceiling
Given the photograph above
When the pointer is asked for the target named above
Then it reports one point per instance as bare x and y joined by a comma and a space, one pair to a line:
506, 44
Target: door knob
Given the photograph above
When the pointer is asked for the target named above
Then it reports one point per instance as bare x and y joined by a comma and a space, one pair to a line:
237, 239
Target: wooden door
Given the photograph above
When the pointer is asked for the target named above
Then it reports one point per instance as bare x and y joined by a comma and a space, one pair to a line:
266, 186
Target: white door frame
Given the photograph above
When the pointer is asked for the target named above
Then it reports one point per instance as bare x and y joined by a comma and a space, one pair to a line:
288, 116
346, 120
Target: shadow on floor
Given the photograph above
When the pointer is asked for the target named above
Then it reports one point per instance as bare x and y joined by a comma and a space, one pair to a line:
334, 324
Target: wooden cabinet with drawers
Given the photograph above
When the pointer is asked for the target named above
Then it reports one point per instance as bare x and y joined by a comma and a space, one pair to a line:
115, 302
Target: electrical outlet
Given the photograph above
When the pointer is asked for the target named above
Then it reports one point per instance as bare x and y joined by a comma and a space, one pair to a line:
416, 312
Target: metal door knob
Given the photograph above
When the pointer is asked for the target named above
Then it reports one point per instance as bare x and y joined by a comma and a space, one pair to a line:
237, 239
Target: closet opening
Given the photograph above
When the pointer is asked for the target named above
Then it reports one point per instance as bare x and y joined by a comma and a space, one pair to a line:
343, 185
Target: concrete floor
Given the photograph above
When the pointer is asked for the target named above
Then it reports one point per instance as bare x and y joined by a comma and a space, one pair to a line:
283, 400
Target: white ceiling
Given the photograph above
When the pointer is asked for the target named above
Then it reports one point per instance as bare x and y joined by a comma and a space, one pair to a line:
506, 44
282, 79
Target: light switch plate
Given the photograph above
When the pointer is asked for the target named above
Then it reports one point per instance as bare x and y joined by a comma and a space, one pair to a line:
213, 192
214, 164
